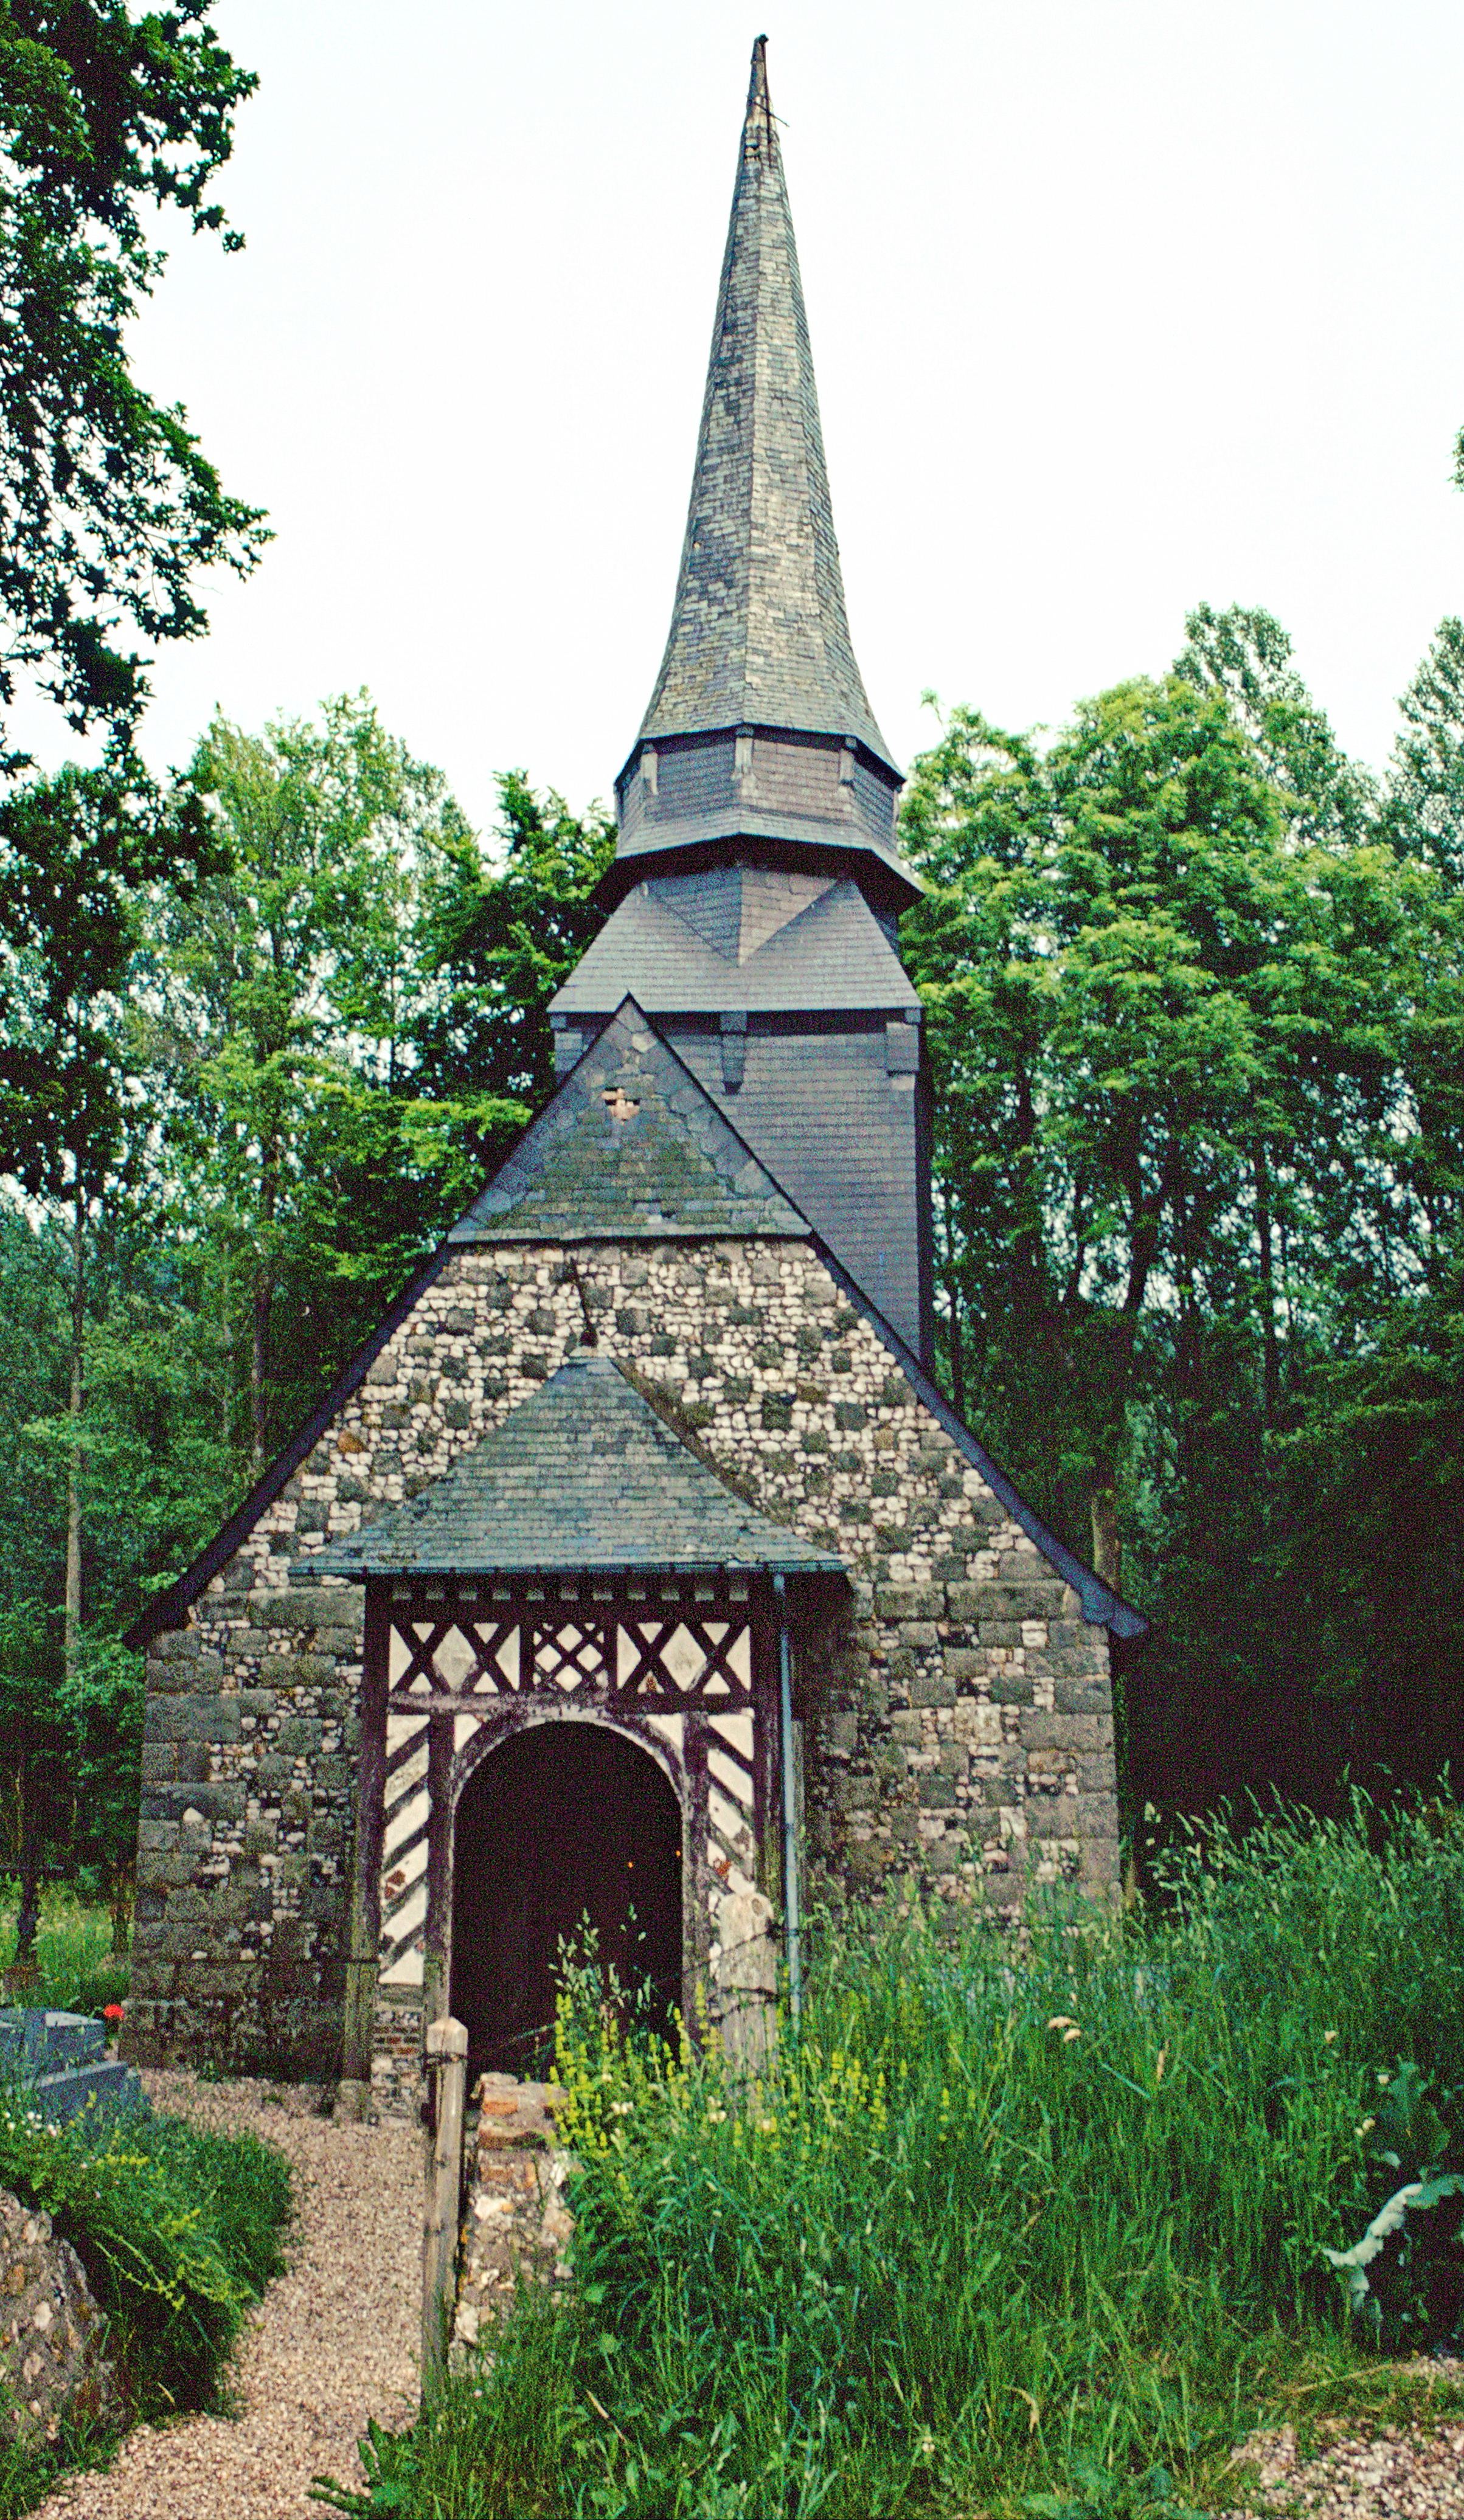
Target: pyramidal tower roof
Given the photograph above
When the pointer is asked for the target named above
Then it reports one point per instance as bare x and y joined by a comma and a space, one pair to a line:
758, 635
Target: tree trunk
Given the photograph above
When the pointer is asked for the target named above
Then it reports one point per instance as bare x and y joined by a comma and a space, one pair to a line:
226, 1394
263, 1299
260, 1368
1103, 1514
953, 1309
73, 1614
1267, 1286
28, 1915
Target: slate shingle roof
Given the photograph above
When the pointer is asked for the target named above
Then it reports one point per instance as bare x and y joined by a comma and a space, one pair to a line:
760, 635
831, 952
583, 1478
630, 1145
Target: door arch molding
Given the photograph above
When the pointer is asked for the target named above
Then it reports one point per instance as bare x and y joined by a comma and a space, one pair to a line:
554, 1823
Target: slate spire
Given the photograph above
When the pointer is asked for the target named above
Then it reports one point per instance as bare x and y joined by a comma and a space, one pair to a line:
758, 635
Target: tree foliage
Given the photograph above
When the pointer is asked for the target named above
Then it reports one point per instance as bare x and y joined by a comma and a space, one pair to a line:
107, 507
352, 1027
1425, 808
1194, 991
261, 1039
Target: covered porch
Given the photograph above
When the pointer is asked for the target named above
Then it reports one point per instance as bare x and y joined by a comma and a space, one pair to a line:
577, 1713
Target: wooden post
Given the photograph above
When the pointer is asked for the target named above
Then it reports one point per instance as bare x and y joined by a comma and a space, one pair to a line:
437, 1930
446, 2067
364, 1915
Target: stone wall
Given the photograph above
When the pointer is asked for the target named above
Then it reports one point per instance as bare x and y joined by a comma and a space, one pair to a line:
52, 2334
958, 1720
515, 2219
245, 1834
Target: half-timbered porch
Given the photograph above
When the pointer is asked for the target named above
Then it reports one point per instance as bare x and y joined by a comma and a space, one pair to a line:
633, 1592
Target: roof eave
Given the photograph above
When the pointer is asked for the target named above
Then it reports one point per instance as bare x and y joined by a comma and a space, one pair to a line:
855, 854
551, 1572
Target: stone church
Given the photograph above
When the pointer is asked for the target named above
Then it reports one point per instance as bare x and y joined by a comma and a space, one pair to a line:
636, 1569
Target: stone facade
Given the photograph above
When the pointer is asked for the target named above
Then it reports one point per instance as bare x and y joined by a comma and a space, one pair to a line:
52, 2334
957, 1720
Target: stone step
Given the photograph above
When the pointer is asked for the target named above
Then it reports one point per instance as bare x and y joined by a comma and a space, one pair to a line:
112, 2085
43, 2041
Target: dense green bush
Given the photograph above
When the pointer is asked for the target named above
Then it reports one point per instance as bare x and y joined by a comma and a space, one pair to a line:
1044, 2221
179, 2230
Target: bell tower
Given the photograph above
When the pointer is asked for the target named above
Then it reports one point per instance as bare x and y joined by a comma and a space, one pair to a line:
757, 880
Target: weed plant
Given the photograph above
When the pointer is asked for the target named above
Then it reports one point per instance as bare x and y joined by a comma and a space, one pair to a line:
1037, 2224
78, 1973
178, 2230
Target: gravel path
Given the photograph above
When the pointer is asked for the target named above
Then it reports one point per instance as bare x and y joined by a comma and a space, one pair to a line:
334, 2340
1393, 2475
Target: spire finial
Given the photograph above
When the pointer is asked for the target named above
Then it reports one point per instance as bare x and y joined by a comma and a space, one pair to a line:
758, 132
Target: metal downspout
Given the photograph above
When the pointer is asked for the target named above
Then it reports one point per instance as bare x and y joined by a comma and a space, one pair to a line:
792, 1922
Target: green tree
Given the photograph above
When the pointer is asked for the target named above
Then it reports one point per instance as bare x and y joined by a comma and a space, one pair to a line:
1097, 954
34, 1381
1321, 795
1198, 1059
107, 508
1371, 1535
501, 929
1424, 813
78, 854
354, 1032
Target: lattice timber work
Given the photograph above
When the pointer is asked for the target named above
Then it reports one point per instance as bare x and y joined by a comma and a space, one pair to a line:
685, 1667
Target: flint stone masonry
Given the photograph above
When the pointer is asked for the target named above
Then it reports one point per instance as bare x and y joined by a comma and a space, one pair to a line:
958, 1730
53, 2337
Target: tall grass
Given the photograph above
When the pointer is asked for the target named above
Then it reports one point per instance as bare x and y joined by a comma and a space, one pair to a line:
1002, 2222
72, 1950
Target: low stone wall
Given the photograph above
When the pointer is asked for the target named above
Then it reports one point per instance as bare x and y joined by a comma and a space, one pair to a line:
52, 2334
62, 2058
514, 2217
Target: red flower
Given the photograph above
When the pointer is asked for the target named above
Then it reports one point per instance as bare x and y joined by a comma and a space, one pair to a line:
113, 2011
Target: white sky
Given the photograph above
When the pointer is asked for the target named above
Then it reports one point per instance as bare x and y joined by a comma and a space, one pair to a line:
1116, 304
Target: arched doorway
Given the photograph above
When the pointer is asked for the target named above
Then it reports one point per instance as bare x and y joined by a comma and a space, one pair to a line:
565, 1820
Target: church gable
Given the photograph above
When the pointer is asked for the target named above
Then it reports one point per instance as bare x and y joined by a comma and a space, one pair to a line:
630, 1145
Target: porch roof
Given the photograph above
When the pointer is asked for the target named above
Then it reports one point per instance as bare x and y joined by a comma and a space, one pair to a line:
583, 1478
